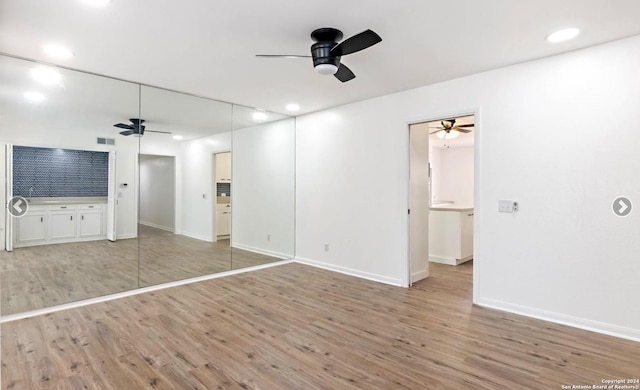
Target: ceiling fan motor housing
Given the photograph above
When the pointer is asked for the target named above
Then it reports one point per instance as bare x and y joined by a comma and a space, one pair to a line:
321, 53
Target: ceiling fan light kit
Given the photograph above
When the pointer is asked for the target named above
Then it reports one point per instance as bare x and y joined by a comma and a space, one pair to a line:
326, 68
442, 134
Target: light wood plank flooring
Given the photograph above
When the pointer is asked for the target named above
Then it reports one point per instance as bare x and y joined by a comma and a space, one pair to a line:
42, 276
298, 327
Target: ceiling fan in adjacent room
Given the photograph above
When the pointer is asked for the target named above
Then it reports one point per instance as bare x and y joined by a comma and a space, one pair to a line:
136, 128
450, 130
326, 52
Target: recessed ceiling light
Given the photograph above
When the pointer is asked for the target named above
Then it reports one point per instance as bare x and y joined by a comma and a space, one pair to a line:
563, 35
96, 3
293, 107
47, 76
177, 137
58, 52
259, 116
34, 97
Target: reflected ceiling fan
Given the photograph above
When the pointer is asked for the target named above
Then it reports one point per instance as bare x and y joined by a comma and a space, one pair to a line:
326, 52
136, 128
450, 130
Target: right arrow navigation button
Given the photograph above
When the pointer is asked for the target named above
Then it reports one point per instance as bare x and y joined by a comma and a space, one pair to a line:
622, 206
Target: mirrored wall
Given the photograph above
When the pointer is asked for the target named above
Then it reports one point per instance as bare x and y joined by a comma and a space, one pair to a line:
112, 186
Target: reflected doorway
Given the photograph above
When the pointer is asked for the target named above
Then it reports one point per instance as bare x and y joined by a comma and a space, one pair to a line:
157, 192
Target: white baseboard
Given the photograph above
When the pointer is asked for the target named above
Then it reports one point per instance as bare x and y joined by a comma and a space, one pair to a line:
350, 272
415, 276
126, 236
262, 251
154, 225
197, 236
576, 322
448, 260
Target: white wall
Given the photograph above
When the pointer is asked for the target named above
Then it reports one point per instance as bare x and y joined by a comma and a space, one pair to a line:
454, 175
556, 135
263, 181
157, 191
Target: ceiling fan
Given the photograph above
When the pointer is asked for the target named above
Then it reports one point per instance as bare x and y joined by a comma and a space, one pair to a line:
136, 128
449, 129
326, 52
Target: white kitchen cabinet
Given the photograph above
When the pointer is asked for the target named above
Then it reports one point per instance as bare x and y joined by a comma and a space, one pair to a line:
223, 167
223, 219
91, 223
450, 235
62, 225
32, 227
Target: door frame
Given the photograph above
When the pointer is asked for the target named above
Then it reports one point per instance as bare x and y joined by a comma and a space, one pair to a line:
477, 199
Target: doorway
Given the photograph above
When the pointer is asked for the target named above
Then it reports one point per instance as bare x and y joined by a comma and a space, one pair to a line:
157, 192
441, 193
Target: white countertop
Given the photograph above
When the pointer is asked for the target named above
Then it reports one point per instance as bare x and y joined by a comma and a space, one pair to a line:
75, 200
450, 207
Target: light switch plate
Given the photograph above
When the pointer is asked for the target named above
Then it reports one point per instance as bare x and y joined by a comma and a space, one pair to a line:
507, 206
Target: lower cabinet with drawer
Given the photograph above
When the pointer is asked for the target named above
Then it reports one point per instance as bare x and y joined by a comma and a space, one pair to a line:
55, 224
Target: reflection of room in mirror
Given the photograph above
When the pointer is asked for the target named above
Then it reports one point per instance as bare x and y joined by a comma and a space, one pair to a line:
158, 221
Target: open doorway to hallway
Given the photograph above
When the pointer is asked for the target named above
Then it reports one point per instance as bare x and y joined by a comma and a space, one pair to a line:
441, 193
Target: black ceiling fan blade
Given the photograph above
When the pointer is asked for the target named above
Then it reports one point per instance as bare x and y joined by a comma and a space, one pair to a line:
356, 43
155, 131
127, 132
281, 56
463, 130
344, 74
123, 126
469, 125
136, 121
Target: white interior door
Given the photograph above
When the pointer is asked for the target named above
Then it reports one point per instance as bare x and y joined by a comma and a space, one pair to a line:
111, 200
8, 194
419, 201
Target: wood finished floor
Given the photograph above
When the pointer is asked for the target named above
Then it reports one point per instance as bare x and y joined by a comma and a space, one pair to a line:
42, 276
298, 327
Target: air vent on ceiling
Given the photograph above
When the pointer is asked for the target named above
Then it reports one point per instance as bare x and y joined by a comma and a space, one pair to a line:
106, 141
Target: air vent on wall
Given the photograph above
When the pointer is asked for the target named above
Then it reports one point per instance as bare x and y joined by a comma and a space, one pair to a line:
106, 141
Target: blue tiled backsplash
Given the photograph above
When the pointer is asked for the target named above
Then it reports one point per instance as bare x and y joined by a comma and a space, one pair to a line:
45, 172
223, 188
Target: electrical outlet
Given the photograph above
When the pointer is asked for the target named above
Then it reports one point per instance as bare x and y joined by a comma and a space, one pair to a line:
326, 247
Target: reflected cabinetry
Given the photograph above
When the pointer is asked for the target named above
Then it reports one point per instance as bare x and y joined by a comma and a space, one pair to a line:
223, 167
56, 224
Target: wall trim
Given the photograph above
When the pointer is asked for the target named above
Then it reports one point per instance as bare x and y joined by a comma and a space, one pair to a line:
155, 225
110, 297
262, 251
126, 236
576, 322
416, 276
449, 260
350, 272
198, 237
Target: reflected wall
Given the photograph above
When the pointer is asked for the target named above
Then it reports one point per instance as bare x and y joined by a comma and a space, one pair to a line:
207, 187
263, 190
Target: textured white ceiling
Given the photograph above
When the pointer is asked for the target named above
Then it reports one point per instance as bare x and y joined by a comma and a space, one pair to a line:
207, 47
